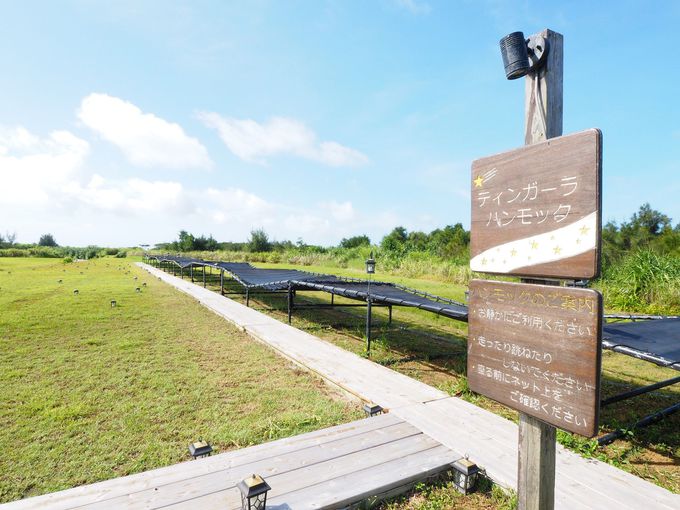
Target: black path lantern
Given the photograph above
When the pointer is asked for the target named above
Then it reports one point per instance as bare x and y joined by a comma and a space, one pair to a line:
465, 474
253, 493
370, 264
200, 449
372, 410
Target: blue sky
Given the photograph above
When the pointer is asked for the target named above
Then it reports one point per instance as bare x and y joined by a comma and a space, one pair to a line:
123, 122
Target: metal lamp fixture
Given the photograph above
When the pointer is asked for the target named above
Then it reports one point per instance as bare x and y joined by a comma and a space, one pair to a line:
200, 449
465, 473
372, 410
253, 493
522, 56
113, 303
370, 264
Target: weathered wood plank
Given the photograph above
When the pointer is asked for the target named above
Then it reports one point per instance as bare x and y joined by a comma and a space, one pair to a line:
491, 441
110, 489
283, 480
343, 489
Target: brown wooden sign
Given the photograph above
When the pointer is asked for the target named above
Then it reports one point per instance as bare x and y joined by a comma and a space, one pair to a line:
536, 210
536, 348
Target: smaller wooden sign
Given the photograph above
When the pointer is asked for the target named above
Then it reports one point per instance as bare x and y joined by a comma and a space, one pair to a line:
536, 210
536, 348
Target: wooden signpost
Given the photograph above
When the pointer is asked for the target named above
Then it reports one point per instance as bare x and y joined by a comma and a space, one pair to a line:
536, 348
536, 212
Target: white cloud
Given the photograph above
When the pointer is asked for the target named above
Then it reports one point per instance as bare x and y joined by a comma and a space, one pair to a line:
31, 168
145, 139
129, 197
339, 211
254, 142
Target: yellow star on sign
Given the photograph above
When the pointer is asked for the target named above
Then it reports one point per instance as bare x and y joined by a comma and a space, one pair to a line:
478, 181
584, 230
557, 250
513, 252
534, 245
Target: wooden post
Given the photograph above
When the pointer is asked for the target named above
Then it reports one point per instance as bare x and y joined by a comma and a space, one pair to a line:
222, 282
543, 108
203, 271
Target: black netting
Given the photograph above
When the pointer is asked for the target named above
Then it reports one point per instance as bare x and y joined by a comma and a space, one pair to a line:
280, 279
657, 341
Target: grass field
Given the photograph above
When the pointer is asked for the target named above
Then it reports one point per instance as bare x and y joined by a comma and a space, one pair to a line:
90, 392
433, 349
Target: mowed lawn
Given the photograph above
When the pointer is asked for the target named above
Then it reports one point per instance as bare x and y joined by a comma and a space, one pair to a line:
90, 392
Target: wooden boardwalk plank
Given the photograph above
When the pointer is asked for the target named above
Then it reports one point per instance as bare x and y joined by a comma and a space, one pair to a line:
314, 461
395, 465
491, 441
110, 489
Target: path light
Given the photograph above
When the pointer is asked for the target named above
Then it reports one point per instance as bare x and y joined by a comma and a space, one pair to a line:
75, 291
135, 277
113, 303
138, 289
253, 493
60, 281
370, 264
465, 474
200, 449
372, 410
143, 284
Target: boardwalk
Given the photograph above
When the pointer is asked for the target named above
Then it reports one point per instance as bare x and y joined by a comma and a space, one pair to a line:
437, 429
328, 468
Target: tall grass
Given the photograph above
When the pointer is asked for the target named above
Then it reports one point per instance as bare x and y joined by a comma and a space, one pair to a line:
645, 282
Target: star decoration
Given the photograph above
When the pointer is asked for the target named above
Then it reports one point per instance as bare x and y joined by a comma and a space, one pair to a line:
484, 262
584, 230
557, 250
478, 181
534, 245
513, 252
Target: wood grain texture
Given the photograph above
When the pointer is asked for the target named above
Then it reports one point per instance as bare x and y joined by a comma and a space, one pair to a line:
524, 202
537, 349
536, 490
550, 94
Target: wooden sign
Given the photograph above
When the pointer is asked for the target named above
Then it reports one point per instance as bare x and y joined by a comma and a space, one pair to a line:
536, 210
536, 348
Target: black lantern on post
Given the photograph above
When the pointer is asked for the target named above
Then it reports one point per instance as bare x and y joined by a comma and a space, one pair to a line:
465, 474
370, 264
253, 493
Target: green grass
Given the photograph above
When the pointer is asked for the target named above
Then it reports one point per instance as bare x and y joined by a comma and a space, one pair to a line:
89, 392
